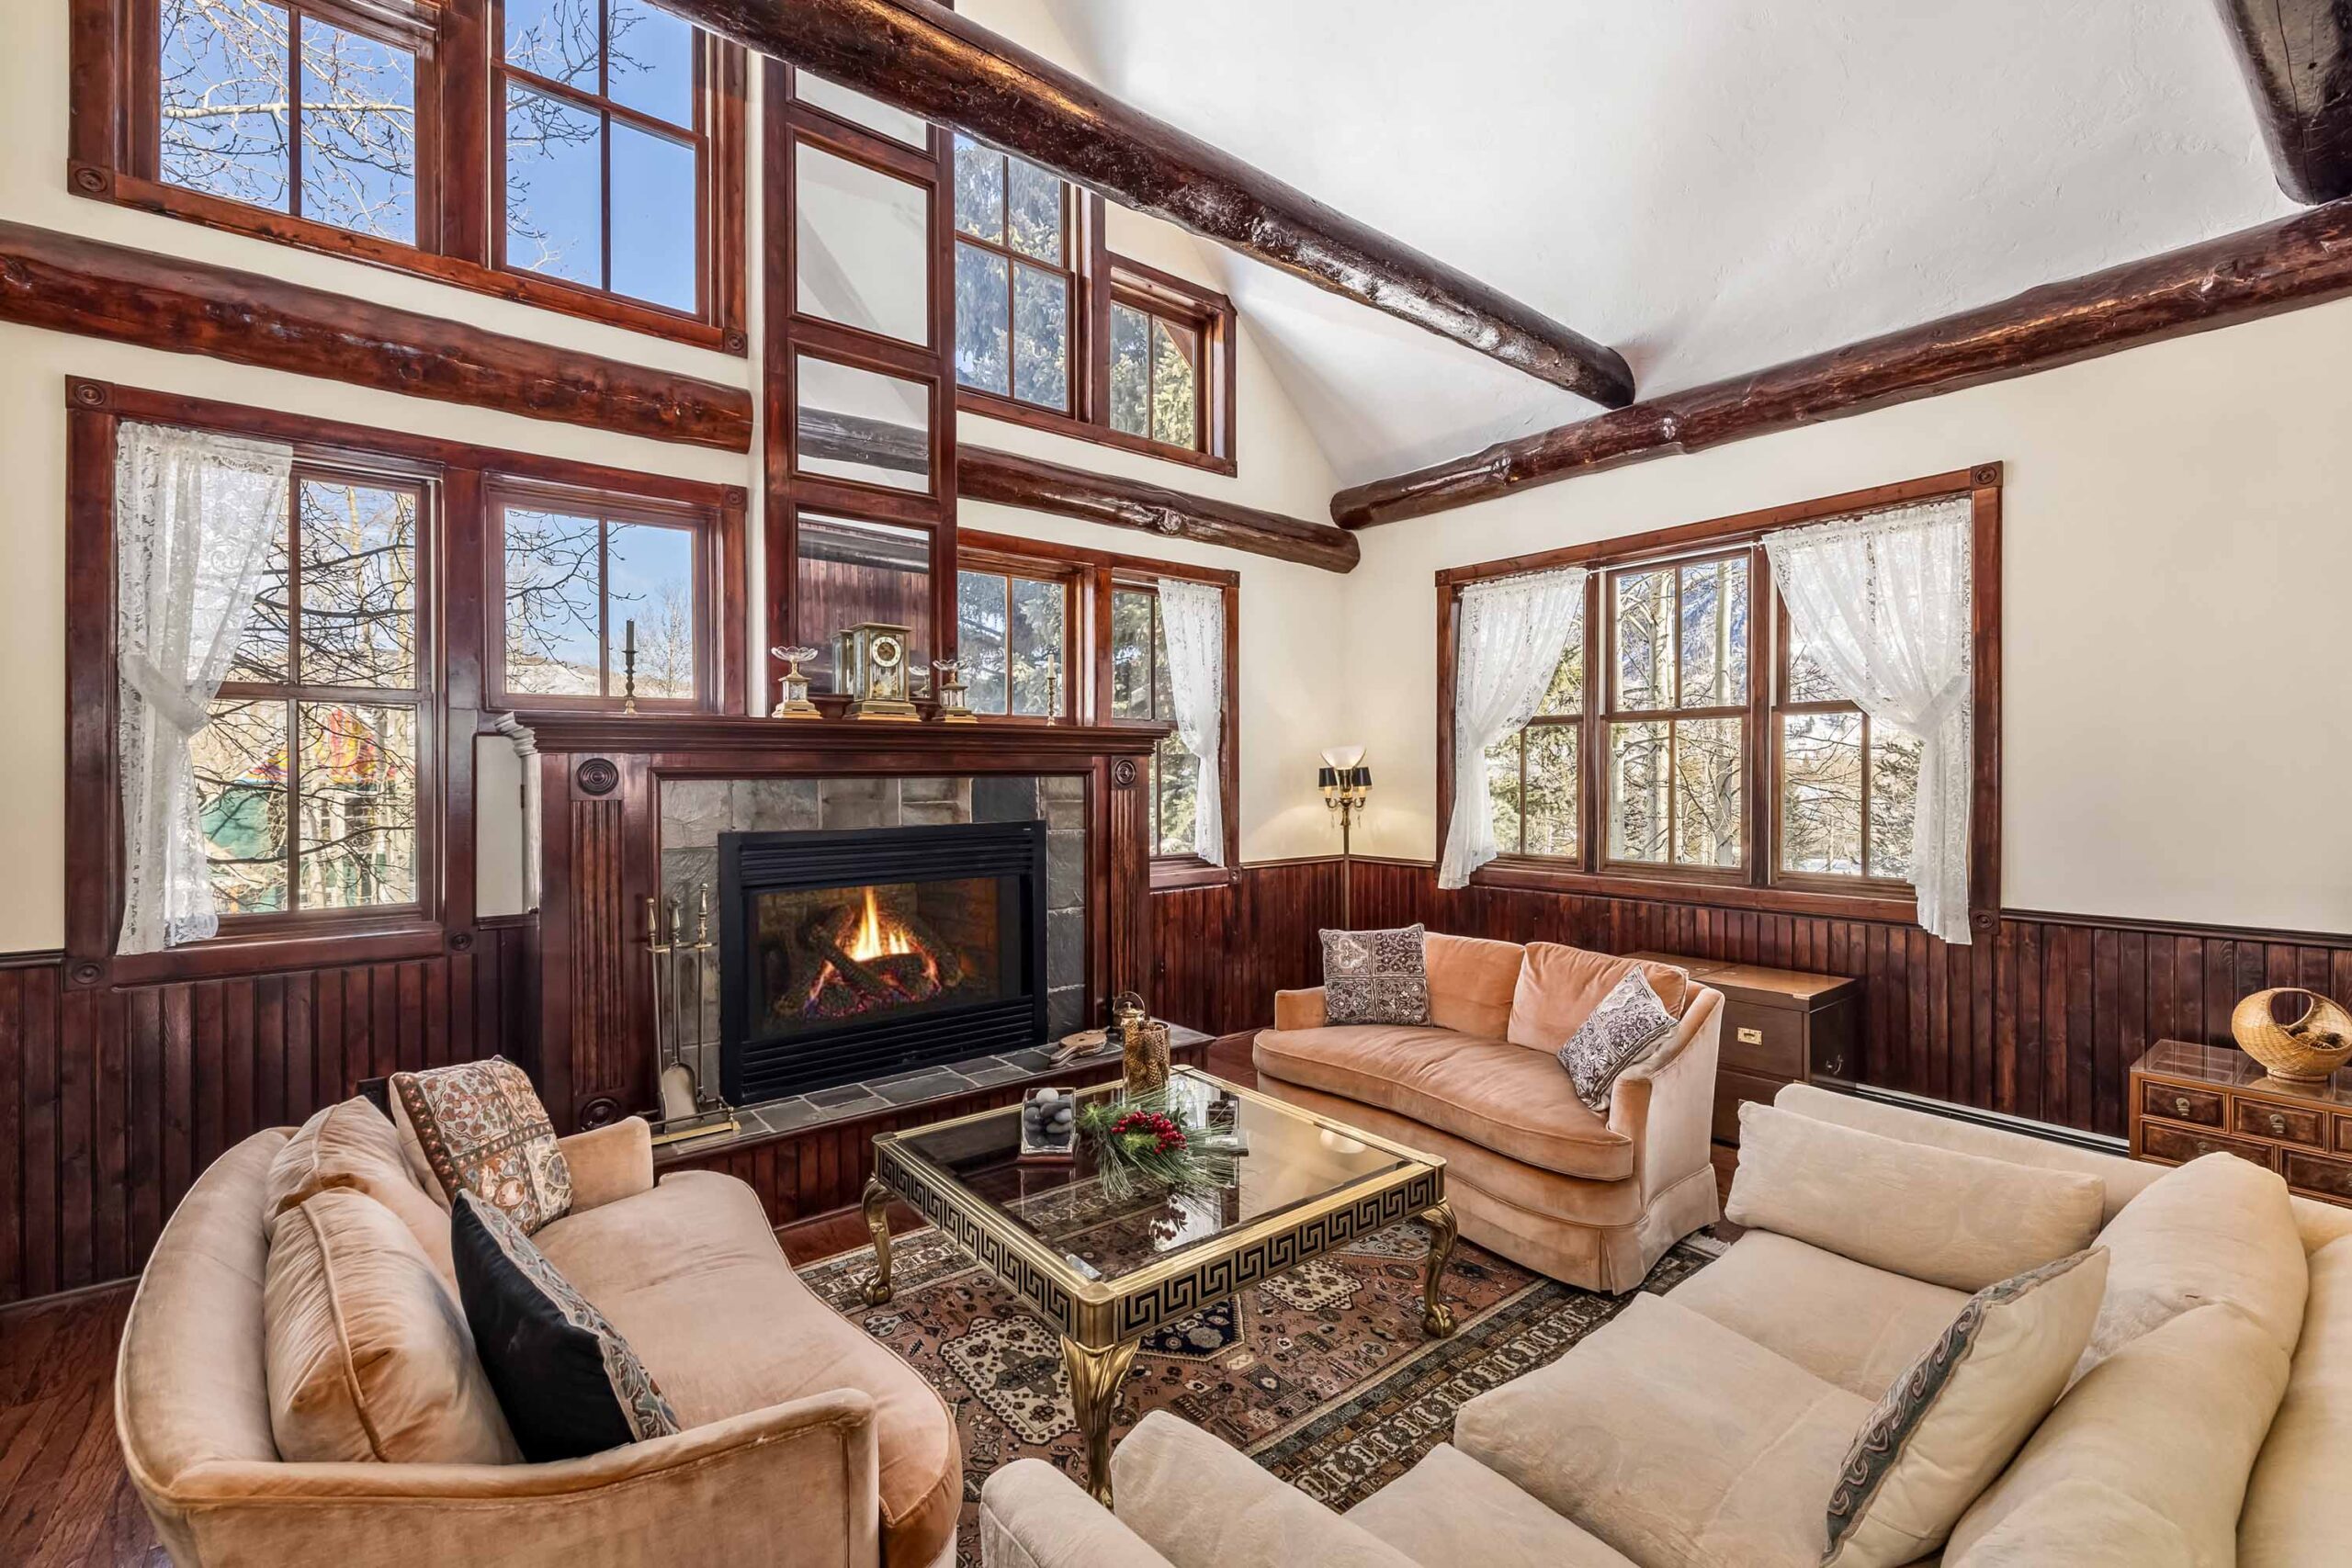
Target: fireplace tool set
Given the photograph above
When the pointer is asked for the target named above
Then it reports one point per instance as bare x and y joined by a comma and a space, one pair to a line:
691, 1106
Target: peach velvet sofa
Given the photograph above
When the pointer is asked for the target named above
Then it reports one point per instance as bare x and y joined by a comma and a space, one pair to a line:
1532, 1173
1706, 1427
804, 1442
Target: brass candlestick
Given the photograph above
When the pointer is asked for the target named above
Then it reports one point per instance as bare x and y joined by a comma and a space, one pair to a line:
629, 668
1054, 691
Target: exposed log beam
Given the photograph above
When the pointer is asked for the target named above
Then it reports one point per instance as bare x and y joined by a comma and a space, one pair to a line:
2302, 260
2297, 56
926, 58
1011, 480
95, 289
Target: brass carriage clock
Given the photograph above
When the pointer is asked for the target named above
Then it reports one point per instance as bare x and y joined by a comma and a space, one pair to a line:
870, 663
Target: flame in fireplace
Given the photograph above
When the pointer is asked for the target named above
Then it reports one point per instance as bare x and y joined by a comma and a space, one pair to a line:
880, 963
878, 936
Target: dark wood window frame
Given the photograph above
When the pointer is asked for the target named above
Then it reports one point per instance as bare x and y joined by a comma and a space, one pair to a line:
1758, 885
1076, 581
455, 707
1093, 576
1081, 227
114, 152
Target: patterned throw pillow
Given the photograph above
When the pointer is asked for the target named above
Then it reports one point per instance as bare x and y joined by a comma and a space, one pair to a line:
1374, 977
1949, 1425
567, 1382
1629, 1024
483, 1131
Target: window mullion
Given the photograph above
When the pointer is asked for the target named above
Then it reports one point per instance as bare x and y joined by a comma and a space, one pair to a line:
1866, 833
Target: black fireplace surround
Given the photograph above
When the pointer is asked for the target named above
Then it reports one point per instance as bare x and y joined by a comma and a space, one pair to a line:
854, 954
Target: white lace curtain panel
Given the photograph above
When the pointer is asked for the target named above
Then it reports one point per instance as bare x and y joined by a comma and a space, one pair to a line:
1883, 603
1192, 616
1510, 634
194, 518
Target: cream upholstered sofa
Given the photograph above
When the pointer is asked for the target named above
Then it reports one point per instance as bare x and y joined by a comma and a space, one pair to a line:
804, 1442
1532, 1173
1707, 1427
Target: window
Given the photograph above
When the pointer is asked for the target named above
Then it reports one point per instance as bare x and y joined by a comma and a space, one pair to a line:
1686, 734
1012, 638
1139, 694
570, 153
307, 776
1016, 278
584, 581
1171, 371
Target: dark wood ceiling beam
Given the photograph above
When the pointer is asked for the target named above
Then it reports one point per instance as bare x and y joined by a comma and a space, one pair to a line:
2297, 56
94, 290
1009, 480
2303, 260
926, 58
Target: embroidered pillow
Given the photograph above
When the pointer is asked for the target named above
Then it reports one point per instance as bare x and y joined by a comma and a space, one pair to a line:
1629, 1024
1952, 1424
482, 1130
1375, 977
567, 1382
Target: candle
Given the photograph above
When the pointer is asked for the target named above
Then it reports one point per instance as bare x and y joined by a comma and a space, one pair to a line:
629, 636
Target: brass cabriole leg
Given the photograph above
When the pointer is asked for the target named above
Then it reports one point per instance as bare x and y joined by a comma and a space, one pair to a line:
1094, 1380
877, 1203
1437, 1315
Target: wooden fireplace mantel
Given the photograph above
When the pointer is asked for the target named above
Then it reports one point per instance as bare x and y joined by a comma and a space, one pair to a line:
599, 821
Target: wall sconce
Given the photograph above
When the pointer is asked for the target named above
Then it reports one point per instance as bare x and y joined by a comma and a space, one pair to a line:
1346, 784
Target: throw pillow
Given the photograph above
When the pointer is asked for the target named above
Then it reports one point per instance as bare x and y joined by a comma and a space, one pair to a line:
1951, 1424
567, 1382
1629, 1024
1375, 977
483, 1131
350, 1144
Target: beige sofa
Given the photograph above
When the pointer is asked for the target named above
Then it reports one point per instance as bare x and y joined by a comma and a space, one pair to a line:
1532, 1173
804, 1442
1707, 1427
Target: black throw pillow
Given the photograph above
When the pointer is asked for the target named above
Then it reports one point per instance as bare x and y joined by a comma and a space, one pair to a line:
567, 1382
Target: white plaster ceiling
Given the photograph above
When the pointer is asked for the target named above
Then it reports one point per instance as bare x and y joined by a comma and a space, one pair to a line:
1709, 185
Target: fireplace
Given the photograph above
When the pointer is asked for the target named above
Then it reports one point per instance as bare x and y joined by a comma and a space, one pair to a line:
849, 955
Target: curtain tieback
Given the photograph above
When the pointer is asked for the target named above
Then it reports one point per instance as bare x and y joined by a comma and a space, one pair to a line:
169, 697
1946, 705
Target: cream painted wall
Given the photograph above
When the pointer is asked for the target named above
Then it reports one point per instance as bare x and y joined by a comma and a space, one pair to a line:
2177, 728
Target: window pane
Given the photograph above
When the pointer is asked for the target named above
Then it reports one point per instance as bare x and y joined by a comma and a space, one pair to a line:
858, 109
1644, 640
357, 781
1178, 778
224, 83
655, 241
1041, 337
554, 189
1808, 681
981, 637
1715, 633
852, 572
649, 578
1131, 654
1552, 789
861, 425
1637, 791
1894, 798
553, 602
1821, 793
653, 68
358, 584
1130, 370
864, 256
1038, 617
359, 128
1564, 695
555, 39
261, 645
1502, 791
240, 766
983, 334
1709, 790
1033, 216
980, 190
1175, 384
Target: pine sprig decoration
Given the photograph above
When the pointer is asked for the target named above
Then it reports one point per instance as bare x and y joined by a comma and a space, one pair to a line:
1152, 1140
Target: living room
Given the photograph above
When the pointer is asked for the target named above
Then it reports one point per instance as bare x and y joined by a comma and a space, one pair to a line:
862, 781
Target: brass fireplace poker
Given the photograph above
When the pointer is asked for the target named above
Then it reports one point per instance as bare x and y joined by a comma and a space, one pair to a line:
690, 1107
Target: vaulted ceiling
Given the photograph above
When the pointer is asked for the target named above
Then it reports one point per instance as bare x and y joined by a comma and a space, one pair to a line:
1707, 185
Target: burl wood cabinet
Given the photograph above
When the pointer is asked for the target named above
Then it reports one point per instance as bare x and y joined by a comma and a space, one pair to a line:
2189, 1100
1781, 1026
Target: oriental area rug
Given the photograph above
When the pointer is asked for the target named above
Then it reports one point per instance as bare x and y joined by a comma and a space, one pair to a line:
1323, 1376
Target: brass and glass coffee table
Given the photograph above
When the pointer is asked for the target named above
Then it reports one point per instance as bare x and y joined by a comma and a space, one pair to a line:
1106, 1273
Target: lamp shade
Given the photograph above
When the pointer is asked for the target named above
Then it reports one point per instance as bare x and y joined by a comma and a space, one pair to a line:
1327, 778
1343, 757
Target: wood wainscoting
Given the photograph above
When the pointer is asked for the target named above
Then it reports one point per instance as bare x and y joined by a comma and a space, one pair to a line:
1220, 951
113, 1100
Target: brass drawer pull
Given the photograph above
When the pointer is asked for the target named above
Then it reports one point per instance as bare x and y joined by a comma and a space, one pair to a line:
2278, 1125
1751, 1036
2180, 1105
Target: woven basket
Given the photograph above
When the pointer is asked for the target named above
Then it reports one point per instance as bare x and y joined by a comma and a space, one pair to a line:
2299, 1036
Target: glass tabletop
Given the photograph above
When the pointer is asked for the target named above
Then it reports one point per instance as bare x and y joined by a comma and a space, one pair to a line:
1293, 1158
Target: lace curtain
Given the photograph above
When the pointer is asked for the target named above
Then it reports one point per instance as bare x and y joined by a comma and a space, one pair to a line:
194, 518
1511, 633
1883, 604
1192, 616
